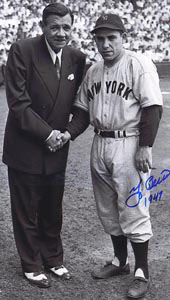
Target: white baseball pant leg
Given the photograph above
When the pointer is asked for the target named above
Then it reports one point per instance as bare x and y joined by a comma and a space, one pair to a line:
114, 174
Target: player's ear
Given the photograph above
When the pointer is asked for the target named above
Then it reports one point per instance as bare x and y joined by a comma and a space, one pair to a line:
124, 35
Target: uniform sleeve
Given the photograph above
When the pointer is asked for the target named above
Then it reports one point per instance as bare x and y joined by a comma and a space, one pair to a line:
149, 124
146, 83
19, 101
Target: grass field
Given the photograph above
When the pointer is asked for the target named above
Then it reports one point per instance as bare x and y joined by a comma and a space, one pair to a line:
85, 242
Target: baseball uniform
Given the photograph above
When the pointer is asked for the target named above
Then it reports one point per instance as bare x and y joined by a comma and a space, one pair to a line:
114, 98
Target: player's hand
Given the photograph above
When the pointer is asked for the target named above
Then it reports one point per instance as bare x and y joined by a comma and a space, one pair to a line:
54, 141
143, 158
66, 137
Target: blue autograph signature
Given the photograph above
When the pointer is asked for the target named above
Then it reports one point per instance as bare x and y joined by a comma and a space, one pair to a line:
150, 184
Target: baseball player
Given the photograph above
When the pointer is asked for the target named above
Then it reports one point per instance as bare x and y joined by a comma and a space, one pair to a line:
122, 98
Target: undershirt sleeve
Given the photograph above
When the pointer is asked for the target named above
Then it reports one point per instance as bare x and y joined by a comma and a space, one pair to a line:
79, 122
149, 124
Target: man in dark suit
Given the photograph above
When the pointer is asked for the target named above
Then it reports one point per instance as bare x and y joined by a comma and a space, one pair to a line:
40, 96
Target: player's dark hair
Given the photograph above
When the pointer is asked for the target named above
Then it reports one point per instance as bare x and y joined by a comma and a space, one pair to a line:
56, 9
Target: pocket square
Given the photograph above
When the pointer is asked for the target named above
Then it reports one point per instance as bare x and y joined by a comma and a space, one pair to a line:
70, 77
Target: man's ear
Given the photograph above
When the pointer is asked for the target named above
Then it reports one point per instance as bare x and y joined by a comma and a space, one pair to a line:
41, 23
124, 35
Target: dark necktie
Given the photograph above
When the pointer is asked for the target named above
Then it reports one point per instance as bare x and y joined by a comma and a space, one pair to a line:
57, 66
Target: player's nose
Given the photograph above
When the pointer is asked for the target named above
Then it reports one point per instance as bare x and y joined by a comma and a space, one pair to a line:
105, 43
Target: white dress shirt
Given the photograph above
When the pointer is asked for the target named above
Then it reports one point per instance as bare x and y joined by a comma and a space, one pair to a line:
53, 54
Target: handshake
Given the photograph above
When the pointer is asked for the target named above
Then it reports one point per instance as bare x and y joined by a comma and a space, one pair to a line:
57, 140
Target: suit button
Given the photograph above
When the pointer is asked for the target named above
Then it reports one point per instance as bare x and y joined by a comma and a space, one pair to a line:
43, 106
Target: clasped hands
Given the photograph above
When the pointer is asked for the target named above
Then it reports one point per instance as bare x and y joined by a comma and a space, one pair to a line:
57, 140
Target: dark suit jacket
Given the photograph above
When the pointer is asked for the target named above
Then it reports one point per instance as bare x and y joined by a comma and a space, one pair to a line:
38, 103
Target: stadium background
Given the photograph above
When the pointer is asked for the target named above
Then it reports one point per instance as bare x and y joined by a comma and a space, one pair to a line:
147, 24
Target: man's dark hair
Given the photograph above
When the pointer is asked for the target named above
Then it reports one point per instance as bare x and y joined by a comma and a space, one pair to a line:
56, 9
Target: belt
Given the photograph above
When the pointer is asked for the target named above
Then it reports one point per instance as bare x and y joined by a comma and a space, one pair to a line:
117, 133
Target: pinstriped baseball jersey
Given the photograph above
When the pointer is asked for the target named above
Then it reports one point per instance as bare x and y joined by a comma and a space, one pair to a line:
114, 96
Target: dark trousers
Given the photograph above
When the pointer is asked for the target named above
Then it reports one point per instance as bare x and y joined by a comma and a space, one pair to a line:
36, 205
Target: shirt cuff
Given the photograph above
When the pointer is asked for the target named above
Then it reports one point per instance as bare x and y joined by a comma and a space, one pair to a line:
49, 136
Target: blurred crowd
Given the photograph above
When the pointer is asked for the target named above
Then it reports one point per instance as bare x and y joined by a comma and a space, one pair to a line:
147, 23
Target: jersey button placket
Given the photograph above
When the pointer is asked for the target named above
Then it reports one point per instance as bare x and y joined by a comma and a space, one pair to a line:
106, 99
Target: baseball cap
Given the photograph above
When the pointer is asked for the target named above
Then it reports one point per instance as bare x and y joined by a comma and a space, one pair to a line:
110, 21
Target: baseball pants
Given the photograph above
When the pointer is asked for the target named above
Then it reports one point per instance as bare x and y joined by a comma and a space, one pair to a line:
114, 174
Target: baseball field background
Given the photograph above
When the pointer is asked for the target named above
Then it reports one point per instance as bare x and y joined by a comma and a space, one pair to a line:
85, 242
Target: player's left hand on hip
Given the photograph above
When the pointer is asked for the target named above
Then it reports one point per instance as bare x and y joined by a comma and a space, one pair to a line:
143, 158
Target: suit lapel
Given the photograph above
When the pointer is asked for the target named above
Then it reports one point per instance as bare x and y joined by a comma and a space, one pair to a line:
46, 68
66, 66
